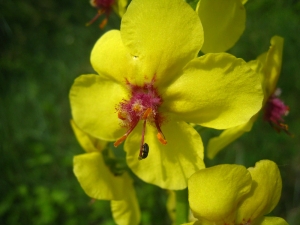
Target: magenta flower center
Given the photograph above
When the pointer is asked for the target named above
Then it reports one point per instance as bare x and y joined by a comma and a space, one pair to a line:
275, 110
102, 4
143, 105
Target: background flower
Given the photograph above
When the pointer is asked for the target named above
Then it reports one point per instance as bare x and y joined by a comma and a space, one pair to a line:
268, 67
230, 194
223, 23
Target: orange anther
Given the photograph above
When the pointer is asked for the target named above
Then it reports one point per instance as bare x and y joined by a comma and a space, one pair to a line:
147, 113
287, 110
103, 23
161, 138
137, 107
284, 126
120, 140
121, 116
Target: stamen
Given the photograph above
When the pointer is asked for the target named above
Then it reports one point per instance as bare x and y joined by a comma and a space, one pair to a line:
103, 23
100, 12
142, 141
161, 138
281, 126
147, 113
287, 110
284, 126
121, 116
120, 140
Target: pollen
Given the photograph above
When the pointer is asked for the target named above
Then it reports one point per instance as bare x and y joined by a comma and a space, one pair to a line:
120, 140
137, 107
122, 115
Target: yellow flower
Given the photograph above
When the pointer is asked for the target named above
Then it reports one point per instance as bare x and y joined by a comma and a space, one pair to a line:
99, 182
151, 83
268, 65
233, 195
223, 23
104, 7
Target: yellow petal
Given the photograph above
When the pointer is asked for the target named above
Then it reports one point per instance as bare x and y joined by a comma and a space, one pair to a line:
167, 166
202, 222
206, 222
265, 191
126, 211
95, 177
223, 23
215, 192
120, 7
273, 221
163, 35
256, 65
111, 59
216, 90
93, 101
216, 144
192, 223
272, 65
87, 142
171, 205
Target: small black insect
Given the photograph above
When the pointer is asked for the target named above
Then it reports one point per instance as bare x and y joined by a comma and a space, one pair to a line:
144, 151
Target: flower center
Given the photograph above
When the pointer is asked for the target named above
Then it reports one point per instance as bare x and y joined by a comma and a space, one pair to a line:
275, 109
102, 4
142, 105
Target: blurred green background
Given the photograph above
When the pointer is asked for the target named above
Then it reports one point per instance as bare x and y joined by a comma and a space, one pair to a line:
45, 45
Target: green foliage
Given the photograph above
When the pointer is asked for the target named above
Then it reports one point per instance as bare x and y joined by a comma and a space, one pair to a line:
192, 3
45, 46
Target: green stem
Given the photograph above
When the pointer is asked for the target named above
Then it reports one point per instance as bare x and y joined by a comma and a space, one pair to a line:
182, 207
